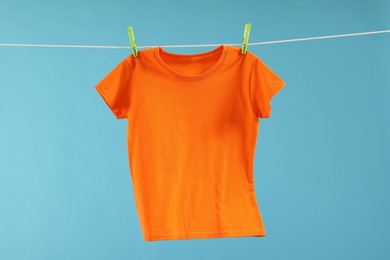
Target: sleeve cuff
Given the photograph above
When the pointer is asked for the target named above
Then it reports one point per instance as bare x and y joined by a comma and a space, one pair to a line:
279, 84
106, 97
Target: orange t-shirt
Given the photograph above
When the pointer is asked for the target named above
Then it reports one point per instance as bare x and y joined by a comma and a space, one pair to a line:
193, 121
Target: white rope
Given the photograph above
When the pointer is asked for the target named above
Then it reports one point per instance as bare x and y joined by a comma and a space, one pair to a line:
184, 46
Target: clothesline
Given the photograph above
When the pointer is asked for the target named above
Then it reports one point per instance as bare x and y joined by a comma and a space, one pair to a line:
184, 46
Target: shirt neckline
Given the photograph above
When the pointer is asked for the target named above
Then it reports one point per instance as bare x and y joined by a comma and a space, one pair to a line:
221, 50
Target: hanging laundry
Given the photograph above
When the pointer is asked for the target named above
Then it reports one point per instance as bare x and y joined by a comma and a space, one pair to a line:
193, 121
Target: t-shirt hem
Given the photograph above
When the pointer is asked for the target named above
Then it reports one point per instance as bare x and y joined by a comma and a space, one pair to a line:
202, 235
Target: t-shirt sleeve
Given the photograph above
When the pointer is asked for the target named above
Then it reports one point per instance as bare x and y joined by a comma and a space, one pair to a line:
264, 85
115, 88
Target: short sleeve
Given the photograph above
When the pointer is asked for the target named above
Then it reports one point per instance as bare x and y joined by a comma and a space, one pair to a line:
264, 85
115, 88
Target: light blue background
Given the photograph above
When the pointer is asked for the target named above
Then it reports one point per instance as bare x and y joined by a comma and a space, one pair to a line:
322, 159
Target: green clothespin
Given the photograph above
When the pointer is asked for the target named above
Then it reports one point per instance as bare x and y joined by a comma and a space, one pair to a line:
246, 38
132, 41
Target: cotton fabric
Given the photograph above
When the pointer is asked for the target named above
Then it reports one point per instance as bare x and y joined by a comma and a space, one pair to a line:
193, 121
